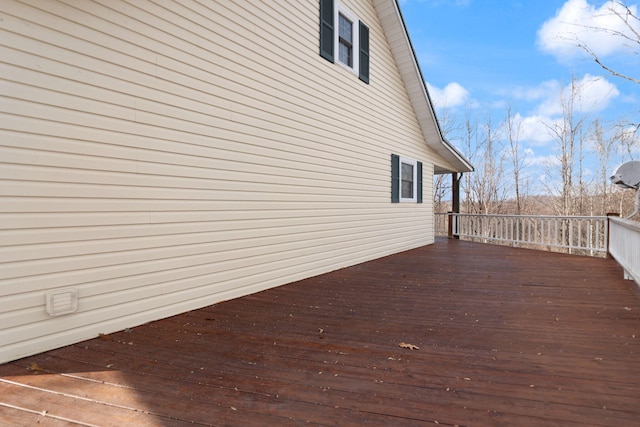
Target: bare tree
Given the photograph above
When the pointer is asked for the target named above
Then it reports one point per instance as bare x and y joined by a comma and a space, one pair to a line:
512, 127
449, 126
442, 191
629, 35
626, 28
449, 123
580, 203
627, 143
604, 148
567, 133
628, 140
488, 187
470, 142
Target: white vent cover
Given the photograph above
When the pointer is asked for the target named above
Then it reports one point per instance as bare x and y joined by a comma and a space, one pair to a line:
62, 301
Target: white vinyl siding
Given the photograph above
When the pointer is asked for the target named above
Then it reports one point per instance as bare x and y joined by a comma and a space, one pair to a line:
160, 157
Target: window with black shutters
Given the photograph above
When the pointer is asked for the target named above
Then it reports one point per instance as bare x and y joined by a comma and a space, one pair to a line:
406, 180
343, 33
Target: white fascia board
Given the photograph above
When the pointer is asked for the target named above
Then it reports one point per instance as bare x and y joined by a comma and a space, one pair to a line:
405, 58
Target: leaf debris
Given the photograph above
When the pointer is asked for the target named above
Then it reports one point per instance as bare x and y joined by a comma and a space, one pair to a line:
34, 367
409, 346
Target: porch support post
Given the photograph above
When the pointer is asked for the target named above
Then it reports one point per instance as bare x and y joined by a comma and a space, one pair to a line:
455, 185
455, 201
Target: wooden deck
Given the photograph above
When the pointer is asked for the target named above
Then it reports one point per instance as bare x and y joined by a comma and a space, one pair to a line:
506, 337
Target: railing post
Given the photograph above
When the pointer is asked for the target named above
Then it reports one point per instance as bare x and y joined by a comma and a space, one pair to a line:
607, 228
452, 226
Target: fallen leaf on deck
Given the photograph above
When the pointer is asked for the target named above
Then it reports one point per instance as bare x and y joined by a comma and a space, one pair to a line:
409, 346
35, 368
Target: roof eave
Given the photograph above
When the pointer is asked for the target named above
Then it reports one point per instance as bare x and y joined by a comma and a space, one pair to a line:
406, 60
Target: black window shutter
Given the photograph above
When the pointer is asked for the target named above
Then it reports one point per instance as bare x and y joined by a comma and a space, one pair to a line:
395, 178
326, 29
364, 53
419, 173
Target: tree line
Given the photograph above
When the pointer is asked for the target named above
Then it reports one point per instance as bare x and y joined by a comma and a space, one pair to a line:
574, 179
510, 179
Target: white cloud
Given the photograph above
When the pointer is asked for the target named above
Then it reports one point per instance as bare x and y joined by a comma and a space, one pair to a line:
542, 91
535, 129
546, 160
591, 94
579, 22
452, 95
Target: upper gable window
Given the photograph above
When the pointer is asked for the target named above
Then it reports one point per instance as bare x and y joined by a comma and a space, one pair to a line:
345, 40
342, 32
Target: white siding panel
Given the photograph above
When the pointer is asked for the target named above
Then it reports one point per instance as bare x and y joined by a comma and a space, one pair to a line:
163, 156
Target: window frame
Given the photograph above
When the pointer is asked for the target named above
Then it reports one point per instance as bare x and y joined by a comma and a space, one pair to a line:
414, 165
330, 11
338, 10
396, 179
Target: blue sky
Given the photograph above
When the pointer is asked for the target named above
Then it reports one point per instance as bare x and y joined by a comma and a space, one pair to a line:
478, 56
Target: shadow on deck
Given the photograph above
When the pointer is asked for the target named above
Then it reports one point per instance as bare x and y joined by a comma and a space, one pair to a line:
506, 337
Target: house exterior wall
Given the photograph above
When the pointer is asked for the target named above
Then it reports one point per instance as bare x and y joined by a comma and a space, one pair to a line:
159, 157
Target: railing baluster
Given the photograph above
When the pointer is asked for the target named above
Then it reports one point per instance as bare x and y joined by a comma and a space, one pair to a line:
579, 240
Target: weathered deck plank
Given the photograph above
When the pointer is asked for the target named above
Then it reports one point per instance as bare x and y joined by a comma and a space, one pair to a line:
507, 337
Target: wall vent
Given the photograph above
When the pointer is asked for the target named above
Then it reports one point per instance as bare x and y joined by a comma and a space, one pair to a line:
62, 301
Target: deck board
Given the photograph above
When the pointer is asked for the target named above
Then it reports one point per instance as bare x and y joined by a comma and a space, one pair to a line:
507, 337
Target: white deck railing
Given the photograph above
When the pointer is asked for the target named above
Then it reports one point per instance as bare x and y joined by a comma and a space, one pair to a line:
624, 246
584, 235
574, 234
